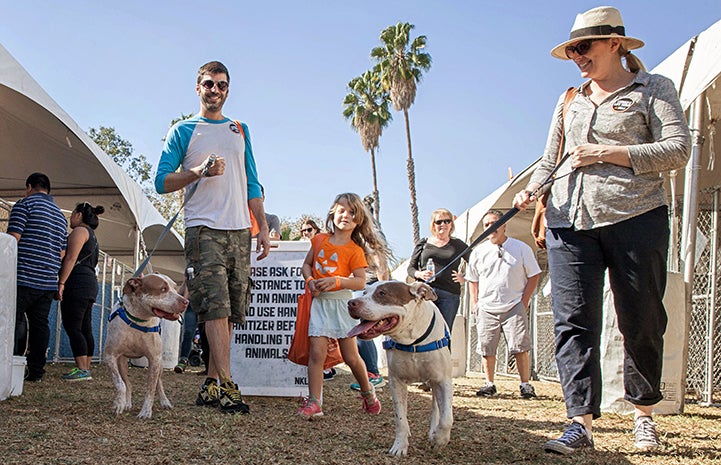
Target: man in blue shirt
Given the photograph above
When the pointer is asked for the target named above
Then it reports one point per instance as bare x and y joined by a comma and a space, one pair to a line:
40, 228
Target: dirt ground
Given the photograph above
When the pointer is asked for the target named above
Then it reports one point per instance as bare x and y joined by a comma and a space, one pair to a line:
56, 422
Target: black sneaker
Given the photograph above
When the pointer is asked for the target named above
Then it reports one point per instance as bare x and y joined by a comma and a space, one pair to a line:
209, 394
329, 374
230, 400
487, 390
576, 437
527, 391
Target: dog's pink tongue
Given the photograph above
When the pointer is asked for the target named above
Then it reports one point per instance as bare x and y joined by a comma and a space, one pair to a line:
361, 328
168, 316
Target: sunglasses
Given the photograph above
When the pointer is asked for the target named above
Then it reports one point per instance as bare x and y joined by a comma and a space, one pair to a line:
500, 251
209, 84
440, 222
580, 48
307, 230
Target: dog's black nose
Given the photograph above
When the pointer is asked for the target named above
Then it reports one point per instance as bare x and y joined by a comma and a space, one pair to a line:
352, 303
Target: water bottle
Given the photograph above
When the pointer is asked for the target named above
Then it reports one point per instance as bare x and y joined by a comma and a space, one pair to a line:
430, 266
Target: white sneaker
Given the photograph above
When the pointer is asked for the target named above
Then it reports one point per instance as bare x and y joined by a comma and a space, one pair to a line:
646, 436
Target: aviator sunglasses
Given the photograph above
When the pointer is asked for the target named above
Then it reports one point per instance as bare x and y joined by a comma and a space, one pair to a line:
580, 48
209, 84
440, 222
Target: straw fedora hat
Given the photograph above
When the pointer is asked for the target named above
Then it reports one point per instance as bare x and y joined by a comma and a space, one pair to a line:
598, 23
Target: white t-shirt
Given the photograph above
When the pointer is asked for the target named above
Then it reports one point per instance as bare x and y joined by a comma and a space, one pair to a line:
501, 279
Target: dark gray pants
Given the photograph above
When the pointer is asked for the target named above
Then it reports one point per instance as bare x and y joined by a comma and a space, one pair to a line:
635, 253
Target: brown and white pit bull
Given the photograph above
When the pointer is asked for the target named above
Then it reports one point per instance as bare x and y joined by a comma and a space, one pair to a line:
418, 350
134, 331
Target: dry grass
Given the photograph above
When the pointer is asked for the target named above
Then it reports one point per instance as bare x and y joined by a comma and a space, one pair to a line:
64, 423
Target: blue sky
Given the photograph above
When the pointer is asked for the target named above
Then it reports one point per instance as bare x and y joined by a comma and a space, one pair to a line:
483, 107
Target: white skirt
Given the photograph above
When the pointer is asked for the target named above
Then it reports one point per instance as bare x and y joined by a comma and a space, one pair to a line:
329, 315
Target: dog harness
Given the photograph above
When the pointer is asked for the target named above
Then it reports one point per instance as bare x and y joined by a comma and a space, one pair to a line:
126, 317
445, 341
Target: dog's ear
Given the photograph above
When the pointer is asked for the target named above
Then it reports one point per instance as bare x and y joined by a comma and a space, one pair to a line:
132, 285
422, 291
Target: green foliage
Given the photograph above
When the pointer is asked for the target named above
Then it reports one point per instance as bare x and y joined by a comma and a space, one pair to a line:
401, 63
367, 108
140, 170
121, 151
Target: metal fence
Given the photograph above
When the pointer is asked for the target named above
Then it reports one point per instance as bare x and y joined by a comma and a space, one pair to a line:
703, 375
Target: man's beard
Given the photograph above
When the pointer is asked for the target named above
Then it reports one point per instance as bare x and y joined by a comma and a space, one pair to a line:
216, 105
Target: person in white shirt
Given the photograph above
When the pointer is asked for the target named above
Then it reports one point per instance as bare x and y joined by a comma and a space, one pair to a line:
502, 274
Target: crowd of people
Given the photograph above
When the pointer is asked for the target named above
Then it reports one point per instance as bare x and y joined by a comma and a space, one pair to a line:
627, 127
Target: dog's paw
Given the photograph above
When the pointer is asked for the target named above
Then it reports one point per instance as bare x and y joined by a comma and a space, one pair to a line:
145, 413
399, 449
119, 407
439, 439
165, 403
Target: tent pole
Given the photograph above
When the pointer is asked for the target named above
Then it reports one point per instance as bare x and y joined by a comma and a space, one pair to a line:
710, 329
136, 248
690, 212
673, 264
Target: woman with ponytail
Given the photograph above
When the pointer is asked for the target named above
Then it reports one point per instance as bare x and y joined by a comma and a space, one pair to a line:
607, 211
78, 287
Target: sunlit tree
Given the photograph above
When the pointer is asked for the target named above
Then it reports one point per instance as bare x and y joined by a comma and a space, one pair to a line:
401, 63
366, 106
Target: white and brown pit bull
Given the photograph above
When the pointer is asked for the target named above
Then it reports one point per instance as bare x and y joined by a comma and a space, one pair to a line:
134, 331
418, 350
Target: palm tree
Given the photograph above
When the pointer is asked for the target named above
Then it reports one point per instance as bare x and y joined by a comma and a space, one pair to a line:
366, 106
401, 63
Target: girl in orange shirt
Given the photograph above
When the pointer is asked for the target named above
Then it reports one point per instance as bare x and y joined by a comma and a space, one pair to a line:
333, 268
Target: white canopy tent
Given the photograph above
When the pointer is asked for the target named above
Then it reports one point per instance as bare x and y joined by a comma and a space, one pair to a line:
37, 135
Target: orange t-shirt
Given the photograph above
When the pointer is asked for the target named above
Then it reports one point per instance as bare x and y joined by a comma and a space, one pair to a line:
335, 260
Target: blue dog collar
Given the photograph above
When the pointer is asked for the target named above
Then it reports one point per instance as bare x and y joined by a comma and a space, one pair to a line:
123, 314
435, 345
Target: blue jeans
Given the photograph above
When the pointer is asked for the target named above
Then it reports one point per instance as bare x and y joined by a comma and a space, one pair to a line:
635, 252
447, 303
190, 322
369, 354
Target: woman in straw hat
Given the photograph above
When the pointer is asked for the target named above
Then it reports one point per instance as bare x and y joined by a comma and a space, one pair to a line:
607, 212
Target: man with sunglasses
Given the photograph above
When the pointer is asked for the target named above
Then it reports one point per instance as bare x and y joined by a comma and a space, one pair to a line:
219, 173
502, 274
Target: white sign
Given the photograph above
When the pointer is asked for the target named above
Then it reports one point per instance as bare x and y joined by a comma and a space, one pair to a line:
258, 351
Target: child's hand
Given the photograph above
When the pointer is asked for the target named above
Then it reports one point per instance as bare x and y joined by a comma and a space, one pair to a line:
324, 284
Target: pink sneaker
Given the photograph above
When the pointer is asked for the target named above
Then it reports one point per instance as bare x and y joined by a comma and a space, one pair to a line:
371, 404
310, 409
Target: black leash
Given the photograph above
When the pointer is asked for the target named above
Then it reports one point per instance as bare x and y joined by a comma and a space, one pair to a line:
504, 219
191, 190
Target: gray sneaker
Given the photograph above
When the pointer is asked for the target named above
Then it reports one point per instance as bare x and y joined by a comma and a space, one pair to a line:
576, 437
487, 390
527, 391
646, 436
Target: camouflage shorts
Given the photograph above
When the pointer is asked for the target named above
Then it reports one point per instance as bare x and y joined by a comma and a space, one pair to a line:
220, 286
